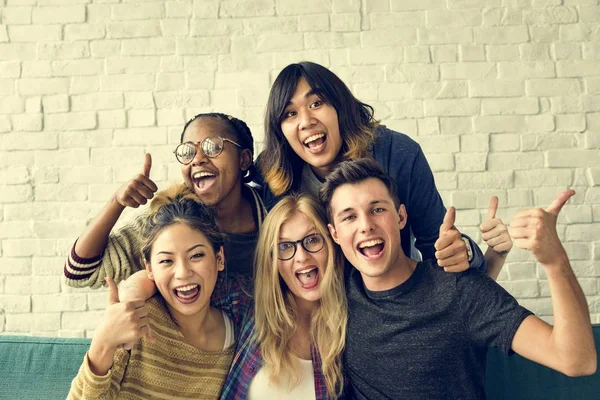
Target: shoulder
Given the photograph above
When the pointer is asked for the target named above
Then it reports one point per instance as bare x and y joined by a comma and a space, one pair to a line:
256, 200
388, 137
394, 151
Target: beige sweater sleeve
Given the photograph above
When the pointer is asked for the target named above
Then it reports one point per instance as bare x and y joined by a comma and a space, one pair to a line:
88, 386
121, 258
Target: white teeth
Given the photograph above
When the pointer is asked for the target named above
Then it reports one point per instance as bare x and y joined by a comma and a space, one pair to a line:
306, 270
370, 243
202, 174
186, 288
313, 138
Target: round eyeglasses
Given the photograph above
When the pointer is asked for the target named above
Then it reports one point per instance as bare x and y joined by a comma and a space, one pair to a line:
211, 146
311, 243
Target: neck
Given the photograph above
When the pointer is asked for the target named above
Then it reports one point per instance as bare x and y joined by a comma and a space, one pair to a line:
194, 325
234, 214
322, 172
398, 273
305, 310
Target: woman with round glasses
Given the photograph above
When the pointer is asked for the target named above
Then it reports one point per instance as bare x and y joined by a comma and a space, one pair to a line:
216, 157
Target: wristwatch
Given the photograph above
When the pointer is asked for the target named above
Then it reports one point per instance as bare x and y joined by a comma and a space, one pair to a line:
469, 249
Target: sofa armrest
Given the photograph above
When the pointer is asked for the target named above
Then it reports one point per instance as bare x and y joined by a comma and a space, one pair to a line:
517, 378
39, 367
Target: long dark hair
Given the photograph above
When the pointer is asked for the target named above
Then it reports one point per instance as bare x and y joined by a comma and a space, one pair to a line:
279, 164
239, 129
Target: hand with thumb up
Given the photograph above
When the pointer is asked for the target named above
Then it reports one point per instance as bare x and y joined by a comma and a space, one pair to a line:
140, 189
535, 230
124, 322
494, 232
451, 250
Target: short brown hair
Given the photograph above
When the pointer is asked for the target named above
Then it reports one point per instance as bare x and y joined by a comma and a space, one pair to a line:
354, 171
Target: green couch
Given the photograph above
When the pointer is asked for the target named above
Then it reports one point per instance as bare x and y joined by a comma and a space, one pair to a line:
42, 368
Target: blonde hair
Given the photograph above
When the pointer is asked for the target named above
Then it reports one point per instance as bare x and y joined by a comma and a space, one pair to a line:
275, 306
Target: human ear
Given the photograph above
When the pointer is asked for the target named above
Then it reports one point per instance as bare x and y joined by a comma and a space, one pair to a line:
333, 233
245, 159
220, 259
148, 268
402, 216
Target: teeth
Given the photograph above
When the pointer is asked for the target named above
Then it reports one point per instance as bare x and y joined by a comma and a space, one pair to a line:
313, 138
306, 270
370, 243
186, 288
202, 174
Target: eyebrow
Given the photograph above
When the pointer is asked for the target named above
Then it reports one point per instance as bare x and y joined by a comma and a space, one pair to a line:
311, 231
372, 202
308, 94
187, 251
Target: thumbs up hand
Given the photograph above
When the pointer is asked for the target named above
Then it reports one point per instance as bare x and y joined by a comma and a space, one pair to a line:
451, 251
140, 189
494, 232
124, 322
535, 230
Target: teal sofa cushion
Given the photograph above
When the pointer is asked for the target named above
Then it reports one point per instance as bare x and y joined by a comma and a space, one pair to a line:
516, 378
42, 368
39, 367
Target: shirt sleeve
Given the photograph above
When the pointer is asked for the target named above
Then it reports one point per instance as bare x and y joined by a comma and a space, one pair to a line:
88, 385
491, 315
233, 295
120, 259
427, 212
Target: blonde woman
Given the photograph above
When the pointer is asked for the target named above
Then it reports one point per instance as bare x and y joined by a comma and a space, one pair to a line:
300, 305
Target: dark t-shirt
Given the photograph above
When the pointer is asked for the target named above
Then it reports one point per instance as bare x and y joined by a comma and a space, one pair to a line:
239, 253
428, 337
240, 247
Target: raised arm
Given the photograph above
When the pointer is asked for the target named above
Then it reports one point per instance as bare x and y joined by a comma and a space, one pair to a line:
87, 253
428, 218
568, 346
496, 236
104, 364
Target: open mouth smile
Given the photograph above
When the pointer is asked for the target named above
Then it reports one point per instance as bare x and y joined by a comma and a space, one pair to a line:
308, 277
315, 143
187, 294
372, 248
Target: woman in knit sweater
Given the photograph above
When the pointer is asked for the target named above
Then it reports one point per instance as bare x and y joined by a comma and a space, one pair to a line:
215, 154
192, 343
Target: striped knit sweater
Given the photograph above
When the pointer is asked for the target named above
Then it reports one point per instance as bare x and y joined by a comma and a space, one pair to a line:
122, 256
167, 369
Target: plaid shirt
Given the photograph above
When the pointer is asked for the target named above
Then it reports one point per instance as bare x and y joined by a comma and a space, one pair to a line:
232, 296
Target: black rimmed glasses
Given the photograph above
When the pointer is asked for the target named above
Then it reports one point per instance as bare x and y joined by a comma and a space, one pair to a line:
311, 243
211, 146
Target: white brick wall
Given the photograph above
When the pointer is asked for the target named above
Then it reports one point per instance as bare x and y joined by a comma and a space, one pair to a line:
503, 96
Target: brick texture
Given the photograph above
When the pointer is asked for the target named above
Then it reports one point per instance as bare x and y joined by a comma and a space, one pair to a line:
502, 96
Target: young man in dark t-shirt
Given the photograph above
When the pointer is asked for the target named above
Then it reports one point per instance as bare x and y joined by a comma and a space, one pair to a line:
417, 332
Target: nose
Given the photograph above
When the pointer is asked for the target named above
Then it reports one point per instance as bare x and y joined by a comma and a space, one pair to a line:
366, 225
301, 254
182, 270
199, 158
306, 119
